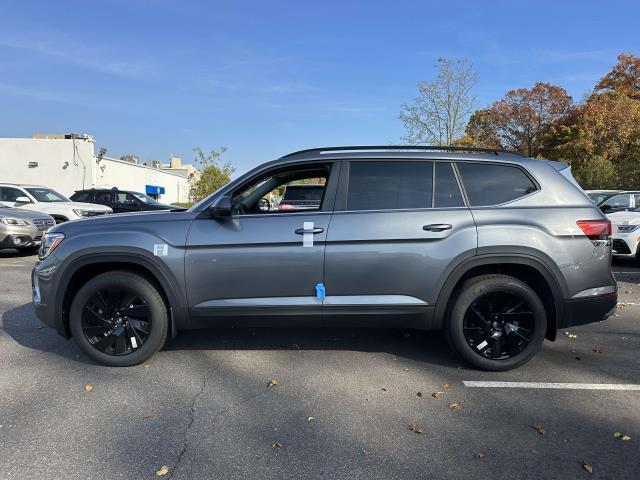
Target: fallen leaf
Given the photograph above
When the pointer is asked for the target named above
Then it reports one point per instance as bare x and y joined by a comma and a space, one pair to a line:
587, 467
446, 385
383, 389
437, 394
276, 445
539, 428
454, 406
626, 438
146, 365
479, 456
415, 429
570, 335
88, 388
598, 350
365, 452
272, 383
149, 414
406, 369
162, 471
617, 434
419, 394
310, 419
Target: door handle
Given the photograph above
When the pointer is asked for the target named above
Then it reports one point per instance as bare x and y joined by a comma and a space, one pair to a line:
437, 227
302, 231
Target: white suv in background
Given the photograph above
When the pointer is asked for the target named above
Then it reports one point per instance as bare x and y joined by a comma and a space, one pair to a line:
46, 200
625, 227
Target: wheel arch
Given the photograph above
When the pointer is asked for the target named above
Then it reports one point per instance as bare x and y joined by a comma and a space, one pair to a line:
87, 266
535, 272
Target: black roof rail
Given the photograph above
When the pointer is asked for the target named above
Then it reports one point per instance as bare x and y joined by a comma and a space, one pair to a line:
435, 148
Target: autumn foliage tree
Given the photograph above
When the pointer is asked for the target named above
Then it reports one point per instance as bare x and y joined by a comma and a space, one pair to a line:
521, 119
624, 78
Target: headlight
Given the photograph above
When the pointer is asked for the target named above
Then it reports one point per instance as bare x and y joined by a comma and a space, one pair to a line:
14, 221
628, 228
82, 213
50, 242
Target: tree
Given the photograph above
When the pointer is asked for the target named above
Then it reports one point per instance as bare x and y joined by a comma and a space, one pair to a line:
601, 141
623, 78
521, 120
211, 174
439, 113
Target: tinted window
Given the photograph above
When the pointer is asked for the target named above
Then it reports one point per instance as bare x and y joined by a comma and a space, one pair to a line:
124, 198
103, 197
618, 201
389, 185
10, 194
82, 196
303, 192
490, 184
446, 192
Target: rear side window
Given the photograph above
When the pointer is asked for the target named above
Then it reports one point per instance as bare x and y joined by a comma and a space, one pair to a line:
446, 192
389, 185
491, 184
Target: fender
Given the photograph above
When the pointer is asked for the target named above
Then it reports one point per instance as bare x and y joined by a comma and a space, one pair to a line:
162, 274
555, 281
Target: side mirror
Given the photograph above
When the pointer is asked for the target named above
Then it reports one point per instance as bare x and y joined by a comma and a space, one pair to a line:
221, 208
605, 208
23, 200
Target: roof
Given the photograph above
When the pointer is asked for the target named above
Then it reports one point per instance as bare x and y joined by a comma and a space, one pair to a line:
24, 185
392, 149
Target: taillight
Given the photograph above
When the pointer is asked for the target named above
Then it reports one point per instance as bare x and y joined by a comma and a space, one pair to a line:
598, 231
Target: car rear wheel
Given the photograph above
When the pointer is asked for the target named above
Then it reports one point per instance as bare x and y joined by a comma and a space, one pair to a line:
119, 319
497, 322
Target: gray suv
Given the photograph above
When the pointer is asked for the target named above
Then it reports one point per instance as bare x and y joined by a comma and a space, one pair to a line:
499, 251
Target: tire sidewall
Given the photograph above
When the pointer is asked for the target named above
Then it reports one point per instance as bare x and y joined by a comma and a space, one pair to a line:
469, 295
141, 287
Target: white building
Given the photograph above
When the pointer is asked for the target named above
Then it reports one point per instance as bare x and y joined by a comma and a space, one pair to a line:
68, 163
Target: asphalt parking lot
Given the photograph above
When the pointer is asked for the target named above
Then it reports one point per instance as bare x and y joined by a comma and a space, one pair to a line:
344, 404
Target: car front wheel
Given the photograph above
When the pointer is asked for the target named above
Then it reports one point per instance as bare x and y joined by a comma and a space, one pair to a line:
119, 319
497, 322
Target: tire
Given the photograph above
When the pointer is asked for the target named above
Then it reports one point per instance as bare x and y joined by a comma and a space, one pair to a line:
512, 330
103, 326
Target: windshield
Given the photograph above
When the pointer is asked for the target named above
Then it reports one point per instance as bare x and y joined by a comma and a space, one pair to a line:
145, 198
598, 197
46, 195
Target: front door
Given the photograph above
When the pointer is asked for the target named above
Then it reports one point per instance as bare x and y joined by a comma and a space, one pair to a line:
261, 260
392, 237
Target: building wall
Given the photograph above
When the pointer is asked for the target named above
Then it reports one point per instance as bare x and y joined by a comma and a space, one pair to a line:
60, 165
112, 172
67, 168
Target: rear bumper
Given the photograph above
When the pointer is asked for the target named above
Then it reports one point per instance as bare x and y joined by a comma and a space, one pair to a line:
581, 311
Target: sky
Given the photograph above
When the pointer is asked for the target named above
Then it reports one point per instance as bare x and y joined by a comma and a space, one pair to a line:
264, 78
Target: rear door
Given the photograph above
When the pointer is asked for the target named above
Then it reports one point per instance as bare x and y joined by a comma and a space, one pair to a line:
393, 236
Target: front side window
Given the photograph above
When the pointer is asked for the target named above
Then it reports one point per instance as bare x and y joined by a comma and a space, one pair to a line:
126, 199
389, 185
144, 198
490, 184
46, 195
8, 194
290, 191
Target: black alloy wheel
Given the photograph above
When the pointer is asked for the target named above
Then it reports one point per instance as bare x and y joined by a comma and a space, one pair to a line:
116, 321
499, 325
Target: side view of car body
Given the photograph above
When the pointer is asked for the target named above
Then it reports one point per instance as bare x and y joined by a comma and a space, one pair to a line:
42, 199
498, 250
22, 229
121, 201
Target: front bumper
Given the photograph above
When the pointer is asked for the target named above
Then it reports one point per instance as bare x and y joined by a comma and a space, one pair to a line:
580, 311
43, 290
625, 244
21, 240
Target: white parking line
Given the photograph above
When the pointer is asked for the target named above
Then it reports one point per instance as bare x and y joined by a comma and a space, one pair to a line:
562, 386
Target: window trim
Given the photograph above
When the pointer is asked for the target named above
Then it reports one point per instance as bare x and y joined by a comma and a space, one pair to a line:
531, 178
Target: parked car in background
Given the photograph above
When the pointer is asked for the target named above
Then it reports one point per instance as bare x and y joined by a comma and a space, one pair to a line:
47, 200
22, 229
122, 201
498, 250
301, 196
625, 233
597, 196
626, 200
